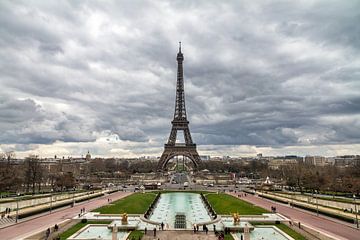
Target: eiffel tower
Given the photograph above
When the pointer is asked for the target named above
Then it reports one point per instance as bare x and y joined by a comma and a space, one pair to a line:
180, 123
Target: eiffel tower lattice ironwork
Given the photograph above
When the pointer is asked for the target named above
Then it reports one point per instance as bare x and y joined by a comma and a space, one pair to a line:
180, 123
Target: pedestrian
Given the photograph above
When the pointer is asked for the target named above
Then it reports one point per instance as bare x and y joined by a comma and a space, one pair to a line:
194, 228
214, 227
162, 226
47, 233
154, 231
197, 228
145, 230
299, 225
56, 228
206, 229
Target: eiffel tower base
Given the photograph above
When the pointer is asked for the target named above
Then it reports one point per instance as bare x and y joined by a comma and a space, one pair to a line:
170, 152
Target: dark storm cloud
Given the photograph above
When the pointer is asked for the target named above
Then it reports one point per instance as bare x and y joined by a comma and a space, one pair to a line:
274, 74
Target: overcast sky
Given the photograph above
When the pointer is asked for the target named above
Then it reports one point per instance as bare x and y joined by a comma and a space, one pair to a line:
277, 77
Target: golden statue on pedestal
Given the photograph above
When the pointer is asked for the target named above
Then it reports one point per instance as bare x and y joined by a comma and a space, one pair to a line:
236, 218
124, 218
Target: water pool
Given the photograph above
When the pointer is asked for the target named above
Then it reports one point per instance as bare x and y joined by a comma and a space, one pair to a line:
189, 204
267, 233
96, 232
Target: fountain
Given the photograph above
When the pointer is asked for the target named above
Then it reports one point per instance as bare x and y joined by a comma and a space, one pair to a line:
180, 210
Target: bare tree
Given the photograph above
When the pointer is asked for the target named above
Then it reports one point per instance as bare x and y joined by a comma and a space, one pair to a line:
32, 172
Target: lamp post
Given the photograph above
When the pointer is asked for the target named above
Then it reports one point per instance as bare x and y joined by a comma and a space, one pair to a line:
356, 213
73, 204
17, 207
51, 193
317, 205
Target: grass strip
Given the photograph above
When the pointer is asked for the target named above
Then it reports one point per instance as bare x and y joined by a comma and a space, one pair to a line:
136, 203
226, 204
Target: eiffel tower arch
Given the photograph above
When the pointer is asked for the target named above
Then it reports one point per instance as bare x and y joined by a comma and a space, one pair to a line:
179, 123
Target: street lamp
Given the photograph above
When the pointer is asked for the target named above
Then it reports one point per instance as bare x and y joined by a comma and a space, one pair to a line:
51, 193
356, 213
17, 207
317, 205
73, 204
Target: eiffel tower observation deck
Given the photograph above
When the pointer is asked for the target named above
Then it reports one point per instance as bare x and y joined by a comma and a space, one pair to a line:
179, 123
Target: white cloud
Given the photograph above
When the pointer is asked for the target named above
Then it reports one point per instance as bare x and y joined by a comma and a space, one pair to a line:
265, 77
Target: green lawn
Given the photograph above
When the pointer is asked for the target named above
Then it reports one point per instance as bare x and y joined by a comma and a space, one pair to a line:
136, 203
292, 233
77, 227
226, 204
135, 235
228, 237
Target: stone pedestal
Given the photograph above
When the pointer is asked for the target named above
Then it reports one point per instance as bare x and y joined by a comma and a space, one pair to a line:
114, 233
246, 232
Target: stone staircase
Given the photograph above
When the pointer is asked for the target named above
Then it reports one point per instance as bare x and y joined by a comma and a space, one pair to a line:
178, 235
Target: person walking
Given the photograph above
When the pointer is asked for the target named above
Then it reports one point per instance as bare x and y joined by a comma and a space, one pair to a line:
47, 233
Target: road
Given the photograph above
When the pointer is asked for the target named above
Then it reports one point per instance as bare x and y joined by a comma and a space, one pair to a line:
33, 226
326, 225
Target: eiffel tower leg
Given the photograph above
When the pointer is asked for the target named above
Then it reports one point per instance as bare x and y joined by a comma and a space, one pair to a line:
173, 151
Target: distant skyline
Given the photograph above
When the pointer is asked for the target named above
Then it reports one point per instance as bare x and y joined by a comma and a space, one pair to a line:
271, 77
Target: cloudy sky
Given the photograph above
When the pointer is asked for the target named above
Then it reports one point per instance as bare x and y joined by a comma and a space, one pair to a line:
277, 77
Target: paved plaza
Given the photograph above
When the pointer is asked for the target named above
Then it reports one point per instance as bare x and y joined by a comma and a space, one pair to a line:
326, 225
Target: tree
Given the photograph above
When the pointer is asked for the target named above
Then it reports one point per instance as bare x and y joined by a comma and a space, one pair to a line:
33, 172
65, 180
9, 173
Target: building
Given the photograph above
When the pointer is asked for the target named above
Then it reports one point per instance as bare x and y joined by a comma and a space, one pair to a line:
315, 160
278, 162
347, 160
205, 157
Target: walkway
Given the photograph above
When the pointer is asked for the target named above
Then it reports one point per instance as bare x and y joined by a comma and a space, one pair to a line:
333, 209
33, 226
323, 224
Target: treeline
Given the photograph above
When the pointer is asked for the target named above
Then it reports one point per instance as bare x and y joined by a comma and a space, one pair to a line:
31, 176
300, 176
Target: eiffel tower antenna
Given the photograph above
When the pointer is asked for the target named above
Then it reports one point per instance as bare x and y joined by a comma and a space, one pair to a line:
179, 123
